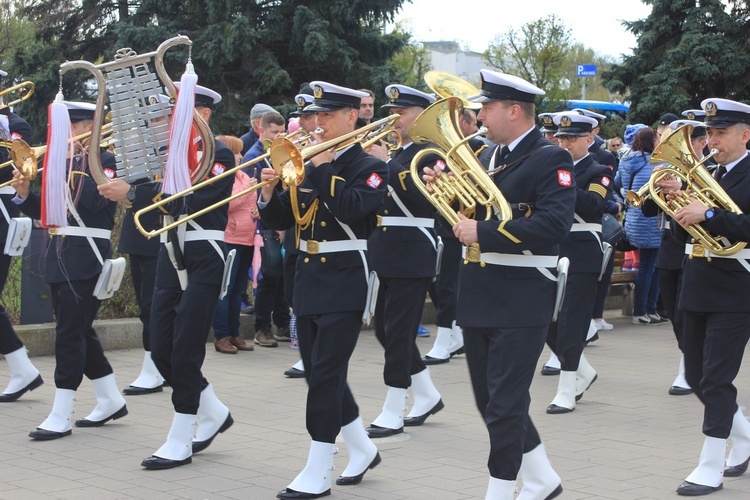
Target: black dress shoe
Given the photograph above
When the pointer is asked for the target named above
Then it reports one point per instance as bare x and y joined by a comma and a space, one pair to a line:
98, 423
202, 445
593, 338
558, 491
157, 463
689, 489
429, 360
579, 396
294, 373
45, 435
676, 390
736, 470
557, 410
548, 370
134, 390
352, 480
414, 421
8, 398
289, 493
375, 431
458, 351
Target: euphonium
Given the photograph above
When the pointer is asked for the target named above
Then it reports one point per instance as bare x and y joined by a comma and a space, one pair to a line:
469, 183
677, 151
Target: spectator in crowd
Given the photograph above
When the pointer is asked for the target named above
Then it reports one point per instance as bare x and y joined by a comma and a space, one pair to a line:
251, 137
366, 108
270, 304
643, 232
238, 236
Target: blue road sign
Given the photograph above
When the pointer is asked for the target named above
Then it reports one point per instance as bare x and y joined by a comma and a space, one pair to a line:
586, 70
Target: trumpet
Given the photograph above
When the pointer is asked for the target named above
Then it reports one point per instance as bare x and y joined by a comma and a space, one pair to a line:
287, 160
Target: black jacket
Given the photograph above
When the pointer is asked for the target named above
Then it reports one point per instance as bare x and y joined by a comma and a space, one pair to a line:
404, 252
349, 189
491, 295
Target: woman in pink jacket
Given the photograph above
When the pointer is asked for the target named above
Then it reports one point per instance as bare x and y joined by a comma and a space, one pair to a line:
243, 212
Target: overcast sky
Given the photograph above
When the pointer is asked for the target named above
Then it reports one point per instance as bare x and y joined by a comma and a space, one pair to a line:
475, 23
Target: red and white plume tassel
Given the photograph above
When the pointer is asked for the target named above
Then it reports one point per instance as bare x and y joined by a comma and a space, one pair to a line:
177, 171
54, 176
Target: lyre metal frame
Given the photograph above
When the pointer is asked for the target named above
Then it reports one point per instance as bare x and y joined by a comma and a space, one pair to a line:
131, 139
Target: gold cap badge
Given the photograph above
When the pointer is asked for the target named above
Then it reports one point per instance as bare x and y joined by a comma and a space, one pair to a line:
318, 92
711, 109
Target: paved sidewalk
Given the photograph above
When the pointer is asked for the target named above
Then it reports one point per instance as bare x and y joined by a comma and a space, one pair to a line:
627, 438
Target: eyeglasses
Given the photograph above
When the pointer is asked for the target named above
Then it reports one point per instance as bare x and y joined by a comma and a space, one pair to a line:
567, 138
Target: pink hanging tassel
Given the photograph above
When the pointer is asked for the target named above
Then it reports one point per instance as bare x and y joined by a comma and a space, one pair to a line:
54, 184
177, 171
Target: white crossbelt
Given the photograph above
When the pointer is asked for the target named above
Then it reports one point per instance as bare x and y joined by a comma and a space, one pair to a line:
333, 246
585, 226
516, 260
85, 232
7, 190
667, 225
407, 221
741, 255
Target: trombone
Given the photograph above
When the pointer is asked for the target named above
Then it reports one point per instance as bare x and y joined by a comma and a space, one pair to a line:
24, 90
287, 160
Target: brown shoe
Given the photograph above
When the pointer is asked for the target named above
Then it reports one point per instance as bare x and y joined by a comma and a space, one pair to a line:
264, 338
224, 346
240, 344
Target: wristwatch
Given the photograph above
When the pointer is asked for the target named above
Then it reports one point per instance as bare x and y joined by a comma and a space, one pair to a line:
709, 214
131, 194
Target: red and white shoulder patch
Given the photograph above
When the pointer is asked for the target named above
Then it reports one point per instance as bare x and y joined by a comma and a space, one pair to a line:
564, 178
374, 180
14, 136
218, 169
605, 181
440, 164
111, 174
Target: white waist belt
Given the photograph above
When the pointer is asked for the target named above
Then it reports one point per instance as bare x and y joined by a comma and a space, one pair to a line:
585, 226
315, 247
7, 190
406, 221
515, 260
197, 235
85, 232
742, 254
204, 234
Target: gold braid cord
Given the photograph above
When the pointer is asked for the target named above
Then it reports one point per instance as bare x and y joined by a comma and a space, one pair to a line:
303, 222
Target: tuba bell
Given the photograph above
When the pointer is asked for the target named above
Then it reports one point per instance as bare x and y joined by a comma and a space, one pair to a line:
470, 183
677, 151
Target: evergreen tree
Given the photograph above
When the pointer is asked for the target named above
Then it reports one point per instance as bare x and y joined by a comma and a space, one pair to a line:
687, 51
249, 51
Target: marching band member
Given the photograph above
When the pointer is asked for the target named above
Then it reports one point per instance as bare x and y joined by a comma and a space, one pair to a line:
181, 318
143, 253
583, 247
24, 376
601, 155
716, 318
671, 256
337, 200
306, 123
72, 268
506, 301
403, 251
